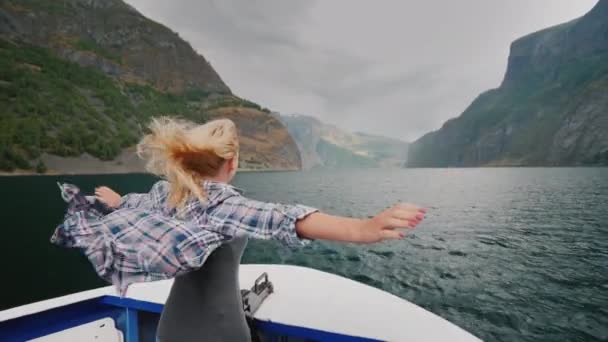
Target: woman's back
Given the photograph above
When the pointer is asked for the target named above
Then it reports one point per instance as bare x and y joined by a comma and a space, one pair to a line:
206, 305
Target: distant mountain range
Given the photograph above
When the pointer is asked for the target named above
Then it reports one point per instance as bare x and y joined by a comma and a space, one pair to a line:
80, 79
550, 110
324, 145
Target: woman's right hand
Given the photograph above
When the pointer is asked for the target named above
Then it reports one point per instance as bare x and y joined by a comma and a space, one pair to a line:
108, 196
385, 225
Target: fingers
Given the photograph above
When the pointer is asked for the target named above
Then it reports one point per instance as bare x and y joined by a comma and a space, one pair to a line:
100, 195
409, 206
391, 235
407, 215
104, 194
394, 223
406, 210
402, 216
385, 224
103, 190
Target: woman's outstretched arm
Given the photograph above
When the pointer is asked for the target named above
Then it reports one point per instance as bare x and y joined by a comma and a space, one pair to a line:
295, 225
148, 200
378, 228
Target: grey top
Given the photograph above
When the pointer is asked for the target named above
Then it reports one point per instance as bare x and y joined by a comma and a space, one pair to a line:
206, 305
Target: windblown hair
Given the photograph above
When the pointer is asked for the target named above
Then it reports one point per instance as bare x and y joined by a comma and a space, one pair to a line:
186, 154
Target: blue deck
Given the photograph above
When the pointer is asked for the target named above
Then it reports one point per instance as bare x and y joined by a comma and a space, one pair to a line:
137, 320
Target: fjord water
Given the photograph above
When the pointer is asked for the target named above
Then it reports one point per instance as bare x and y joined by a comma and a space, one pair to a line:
507, 254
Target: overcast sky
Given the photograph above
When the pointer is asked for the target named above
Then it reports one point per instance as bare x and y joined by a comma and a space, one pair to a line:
392, 67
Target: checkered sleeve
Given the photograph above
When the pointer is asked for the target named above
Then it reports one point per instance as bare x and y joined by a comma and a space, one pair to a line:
260, 220
131, 245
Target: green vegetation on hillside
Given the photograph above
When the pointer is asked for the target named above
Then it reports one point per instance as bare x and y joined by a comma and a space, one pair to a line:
55, 7
89, 45
55, 106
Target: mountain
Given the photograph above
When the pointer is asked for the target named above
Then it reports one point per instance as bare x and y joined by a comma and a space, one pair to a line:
79, 80
265, 142
550, 110
323, 145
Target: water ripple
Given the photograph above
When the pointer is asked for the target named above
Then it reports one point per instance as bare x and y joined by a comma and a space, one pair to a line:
508, 254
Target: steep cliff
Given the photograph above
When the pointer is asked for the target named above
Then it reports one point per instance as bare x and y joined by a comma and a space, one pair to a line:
551, 108
265, 142
323, 145
79, 80
112, 37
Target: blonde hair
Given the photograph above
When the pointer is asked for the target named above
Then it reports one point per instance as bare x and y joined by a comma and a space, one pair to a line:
186, 154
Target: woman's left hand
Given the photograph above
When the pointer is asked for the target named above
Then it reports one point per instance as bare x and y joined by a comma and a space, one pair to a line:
386, 225
108, 196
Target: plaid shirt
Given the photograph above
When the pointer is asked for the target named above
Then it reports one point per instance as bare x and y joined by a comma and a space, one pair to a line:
146, 240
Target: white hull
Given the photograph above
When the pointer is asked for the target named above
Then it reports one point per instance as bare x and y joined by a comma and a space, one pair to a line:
303, 298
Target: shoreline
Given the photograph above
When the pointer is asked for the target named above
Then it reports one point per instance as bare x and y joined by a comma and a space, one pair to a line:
56, 173
18, 173
508, 167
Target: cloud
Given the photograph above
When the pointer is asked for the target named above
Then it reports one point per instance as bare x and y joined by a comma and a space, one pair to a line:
392, 67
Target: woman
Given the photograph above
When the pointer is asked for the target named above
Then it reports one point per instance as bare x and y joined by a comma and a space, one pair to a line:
172, 229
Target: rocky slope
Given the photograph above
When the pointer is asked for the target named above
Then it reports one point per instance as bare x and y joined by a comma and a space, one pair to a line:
265, 143
323, 145
79, 80
114, 38
551, 109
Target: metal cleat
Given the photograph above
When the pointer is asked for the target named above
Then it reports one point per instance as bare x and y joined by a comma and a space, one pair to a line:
252, 299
